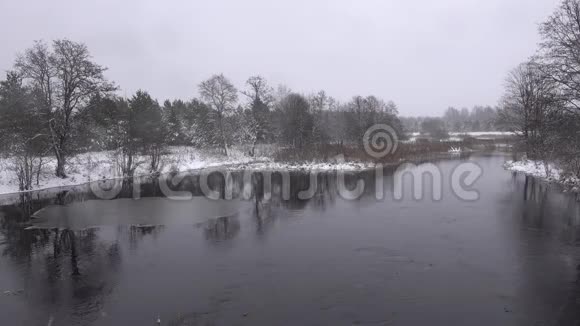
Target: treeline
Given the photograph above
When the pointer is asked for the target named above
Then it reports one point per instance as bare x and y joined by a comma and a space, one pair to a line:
542, 95
479, 118
57, 101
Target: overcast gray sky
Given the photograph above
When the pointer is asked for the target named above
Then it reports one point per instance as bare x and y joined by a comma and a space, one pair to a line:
425, 55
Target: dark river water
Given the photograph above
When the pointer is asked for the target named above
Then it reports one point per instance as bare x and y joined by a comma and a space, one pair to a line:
509, 258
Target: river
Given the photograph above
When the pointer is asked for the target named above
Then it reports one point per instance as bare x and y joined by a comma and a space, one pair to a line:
510, 257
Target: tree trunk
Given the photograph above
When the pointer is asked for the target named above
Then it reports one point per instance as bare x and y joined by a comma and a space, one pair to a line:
57, 146
223, 136
38, 170
60, 163
253, 150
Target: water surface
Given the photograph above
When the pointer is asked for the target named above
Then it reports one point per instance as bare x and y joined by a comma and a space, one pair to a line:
509, 258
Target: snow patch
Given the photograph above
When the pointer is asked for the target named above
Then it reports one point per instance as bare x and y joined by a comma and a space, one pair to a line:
535, 168
88, 167
455, 150
549, 172
483, 133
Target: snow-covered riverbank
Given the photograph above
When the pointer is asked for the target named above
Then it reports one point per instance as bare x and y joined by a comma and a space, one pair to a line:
551, 172
94, 166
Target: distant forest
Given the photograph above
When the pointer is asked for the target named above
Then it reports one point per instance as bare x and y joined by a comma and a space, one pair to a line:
479, 118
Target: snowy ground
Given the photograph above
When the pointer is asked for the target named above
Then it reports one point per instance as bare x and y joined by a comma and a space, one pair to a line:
480, 134
538, 169
93, 166
459, 136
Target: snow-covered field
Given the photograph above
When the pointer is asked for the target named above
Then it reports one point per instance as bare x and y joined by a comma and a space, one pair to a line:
551, 172
474, 133
93, 166
478, 134
459, 136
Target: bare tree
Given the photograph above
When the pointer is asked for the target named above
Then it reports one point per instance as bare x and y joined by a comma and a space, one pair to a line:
260, 96
297, 121
63, 80
336, 122
363, 112
560, 55
247, 131
221, 94
259, 90
529, 97
319, 108
560, 49
23, 136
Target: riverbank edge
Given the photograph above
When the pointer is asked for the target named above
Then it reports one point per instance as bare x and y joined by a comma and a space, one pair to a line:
258, 165
552, 174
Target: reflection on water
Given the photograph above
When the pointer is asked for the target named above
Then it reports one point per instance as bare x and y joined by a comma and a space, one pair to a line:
222, 228
509, 258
